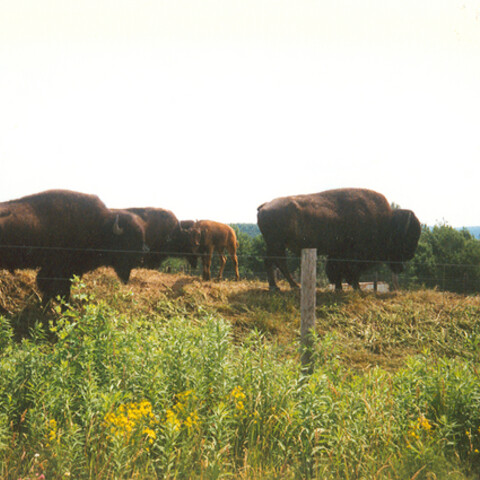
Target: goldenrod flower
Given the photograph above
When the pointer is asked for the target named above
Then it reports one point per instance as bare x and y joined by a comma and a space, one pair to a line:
237, 393
52, 431
150, 434
192, 420
238, 396
421, 424
424, 423
129, 417
172, 420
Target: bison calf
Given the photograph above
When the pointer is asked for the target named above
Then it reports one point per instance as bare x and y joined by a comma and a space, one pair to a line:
215, 237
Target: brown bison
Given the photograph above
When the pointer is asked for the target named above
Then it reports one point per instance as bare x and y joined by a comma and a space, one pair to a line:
214, 237
165, 237
355, 228
66, 233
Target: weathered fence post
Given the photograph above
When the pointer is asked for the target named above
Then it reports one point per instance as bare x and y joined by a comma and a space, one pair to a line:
307, 305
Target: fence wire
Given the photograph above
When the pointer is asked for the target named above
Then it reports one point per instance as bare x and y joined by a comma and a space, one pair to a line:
446, 276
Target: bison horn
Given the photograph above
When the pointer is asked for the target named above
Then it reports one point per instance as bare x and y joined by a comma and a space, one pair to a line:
117, 230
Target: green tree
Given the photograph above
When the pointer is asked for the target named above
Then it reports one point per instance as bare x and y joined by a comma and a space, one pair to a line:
447, 258
250, 253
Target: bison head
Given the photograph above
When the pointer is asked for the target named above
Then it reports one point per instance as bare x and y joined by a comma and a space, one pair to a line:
125, 242
405, 232
187, 240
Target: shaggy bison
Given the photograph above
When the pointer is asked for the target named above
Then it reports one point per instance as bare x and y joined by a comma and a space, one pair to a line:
165, 237
355, 228
66, 233
214, 237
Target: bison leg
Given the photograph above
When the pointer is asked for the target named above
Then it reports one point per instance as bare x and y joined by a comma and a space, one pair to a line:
192, 260
269, 265
223, 261
282, 265
334, 274
395, 282
233, 255
207, 263
355, 284
352, 277
235, 264
279, 259
52, 284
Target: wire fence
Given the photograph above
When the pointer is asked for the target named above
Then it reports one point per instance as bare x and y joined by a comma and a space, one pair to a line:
458, 277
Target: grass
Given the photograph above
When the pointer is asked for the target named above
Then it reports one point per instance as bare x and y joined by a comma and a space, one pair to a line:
172, 377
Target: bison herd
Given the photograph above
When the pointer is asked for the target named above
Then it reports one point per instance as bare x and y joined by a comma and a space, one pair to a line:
64, 234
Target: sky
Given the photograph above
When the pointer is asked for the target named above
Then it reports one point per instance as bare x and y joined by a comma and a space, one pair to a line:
210, 108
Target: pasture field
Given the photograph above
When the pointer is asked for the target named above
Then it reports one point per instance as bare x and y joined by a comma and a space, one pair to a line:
171, 377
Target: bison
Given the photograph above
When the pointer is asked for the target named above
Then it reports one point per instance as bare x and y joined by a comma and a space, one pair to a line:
214, 237
355, 228
165, 237
65, 233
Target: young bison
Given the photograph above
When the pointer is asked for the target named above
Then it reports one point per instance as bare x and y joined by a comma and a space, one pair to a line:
215, 237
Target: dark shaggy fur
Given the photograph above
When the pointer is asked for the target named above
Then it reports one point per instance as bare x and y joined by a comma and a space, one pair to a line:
66, 233
165, 236
354, 227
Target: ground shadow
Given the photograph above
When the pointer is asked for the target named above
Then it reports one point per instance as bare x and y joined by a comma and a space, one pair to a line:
178, 288
29, 317
262, 296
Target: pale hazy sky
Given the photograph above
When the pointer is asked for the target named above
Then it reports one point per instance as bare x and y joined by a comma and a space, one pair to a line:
212, 107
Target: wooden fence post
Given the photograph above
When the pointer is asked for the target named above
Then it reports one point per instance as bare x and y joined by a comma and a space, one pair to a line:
307, 306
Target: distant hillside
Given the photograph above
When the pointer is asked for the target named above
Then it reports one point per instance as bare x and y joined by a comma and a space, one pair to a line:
248, 228
475, 231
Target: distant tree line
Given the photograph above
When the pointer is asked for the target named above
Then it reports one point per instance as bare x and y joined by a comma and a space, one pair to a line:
446, 258
251, 229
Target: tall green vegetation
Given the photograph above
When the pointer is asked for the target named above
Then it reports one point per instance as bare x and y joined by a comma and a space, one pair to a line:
447, 258
107, 395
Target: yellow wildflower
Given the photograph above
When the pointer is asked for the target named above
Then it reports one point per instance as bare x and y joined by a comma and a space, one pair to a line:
150, 434
172, 420
128, 418
237, 393
184, 395
52, 431
192, 420
424, 423
238, 396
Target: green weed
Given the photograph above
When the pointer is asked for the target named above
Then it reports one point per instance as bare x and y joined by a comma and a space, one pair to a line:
102, 392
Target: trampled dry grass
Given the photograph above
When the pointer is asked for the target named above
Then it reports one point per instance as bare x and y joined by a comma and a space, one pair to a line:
365, 329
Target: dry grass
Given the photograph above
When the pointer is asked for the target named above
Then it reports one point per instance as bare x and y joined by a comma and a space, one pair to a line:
366, 329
